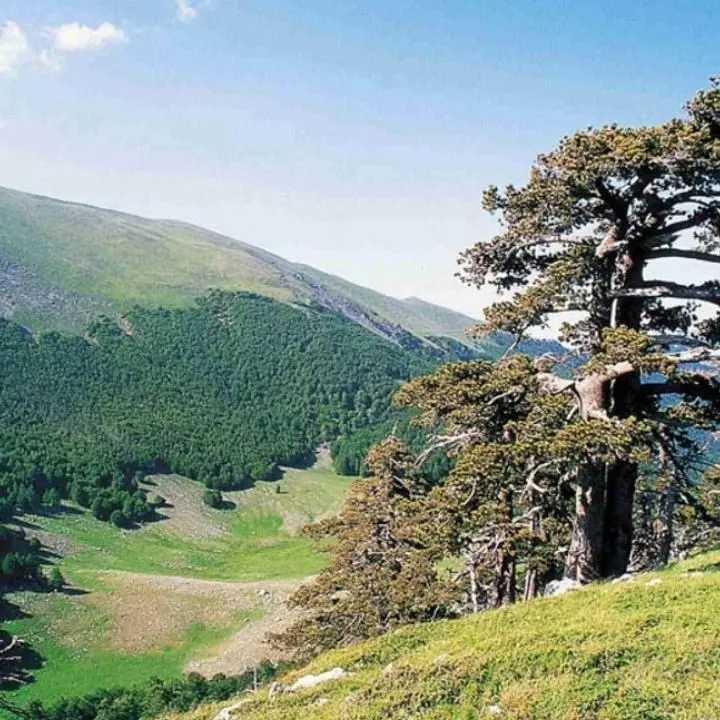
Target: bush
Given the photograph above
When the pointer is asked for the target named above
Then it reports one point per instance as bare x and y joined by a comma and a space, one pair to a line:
55, 580
213, 498
119, 519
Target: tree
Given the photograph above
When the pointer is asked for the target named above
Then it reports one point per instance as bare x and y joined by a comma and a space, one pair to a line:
119, 519
383, 571
213, 498
56, 581
585, 235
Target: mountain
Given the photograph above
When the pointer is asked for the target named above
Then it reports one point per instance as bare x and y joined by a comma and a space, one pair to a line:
633, 650
63, 264
223, 391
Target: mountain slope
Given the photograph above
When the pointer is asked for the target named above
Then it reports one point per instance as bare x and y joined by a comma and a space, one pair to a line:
61, 264
640, 650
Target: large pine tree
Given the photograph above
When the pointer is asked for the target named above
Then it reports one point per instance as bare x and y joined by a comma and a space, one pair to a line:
587, 234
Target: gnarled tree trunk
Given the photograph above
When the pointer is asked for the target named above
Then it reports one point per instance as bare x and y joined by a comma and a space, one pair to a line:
622, 476
585, 556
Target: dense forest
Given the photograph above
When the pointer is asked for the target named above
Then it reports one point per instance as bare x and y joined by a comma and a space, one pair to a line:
224, 392
154, 697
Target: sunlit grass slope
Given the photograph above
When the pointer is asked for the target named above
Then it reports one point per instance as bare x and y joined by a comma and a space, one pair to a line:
642, 650
62, 263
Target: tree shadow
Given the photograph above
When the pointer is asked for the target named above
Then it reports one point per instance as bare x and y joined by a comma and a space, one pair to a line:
72, 591
10, 611
227, 505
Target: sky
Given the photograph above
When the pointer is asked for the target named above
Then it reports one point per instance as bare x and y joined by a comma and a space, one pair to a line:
356, 137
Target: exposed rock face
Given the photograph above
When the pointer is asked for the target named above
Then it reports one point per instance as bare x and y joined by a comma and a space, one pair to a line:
561, 587
24, 292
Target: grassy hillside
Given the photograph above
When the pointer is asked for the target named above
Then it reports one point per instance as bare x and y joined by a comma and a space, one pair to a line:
648, 649
63, 263
196, 591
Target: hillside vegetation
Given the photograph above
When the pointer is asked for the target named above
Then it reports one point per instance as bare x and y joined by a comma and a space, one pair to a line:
62, 264
646, 649
218, 580
222, 392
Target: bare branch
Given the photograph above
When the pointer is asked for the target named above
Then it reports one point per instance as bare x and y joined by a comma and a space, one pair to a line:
683, 254
709, 292
441, 442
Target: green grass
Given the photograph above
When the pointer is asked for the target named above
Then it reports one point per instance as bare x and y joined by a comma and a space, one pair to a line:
71, 670
96, 260
256, 542
626, 651
254, 546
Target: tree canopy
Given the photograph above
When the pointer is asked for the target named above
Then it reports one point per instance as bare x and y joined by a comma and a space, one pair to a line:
581, 465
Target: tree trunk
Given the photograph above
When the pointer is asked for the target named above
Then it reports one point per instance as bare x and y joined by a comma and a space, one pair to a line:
472, 570
624, 403
584, 562
618, 521
531, 584
504, 590
667, 514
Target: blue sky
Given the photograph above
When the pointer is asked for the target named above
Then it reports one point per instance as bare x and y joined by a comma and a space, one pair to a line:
353, 136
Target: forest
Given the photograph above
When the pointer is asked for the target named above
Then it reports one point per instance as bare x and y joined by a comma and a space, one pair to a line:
224, 392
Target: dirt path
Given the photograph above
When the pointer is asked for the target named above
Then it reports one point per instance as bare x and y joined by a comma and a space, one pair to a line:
148, 612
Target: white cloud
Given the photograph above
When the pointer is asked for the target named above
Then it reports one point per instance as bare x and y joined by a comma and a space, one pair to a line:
50, 60
14, 48
185, 11
74, 36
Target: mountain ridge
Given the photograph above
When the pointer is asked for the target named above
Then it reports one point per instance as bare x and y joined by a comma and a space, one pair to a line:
62, 263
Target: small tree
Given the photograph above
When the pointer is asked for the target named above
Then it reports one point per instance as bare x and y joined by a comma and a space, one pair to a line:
384, 568
56, 581
51, 498
213, 498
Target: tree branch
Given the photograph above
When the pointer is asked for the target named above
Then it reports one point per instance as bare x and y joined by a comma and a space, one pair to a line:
702, 391
696, 219
684, 254
709, 292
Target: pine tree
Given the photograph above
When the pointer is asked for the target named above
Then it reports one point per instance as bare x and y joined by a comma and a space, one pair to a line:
585, 234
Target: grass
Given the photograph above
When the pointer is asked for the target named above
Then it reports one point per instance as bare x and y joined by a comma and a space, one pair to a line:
76, 662
254, 542
642, 650
118, 260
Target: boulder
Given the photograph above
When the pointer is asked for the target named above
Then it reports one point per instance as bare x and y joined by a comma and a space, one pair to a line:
310, 681
560, 587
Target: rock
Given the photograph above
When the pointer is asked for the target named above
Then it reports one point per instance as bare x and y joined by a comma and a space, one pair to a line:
340, 595
388, 669
227, 713
654, 581
277, 689
321, 701
262, 593
309, 681
627, 577
560, 587
495, 710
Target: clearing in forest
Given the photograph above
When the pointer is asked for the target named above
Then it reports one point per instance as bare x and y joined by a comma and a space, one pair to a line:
196, 591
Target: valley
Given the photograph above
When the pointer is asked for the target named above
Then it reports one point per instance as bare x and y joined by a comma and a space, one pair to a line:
194, 592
